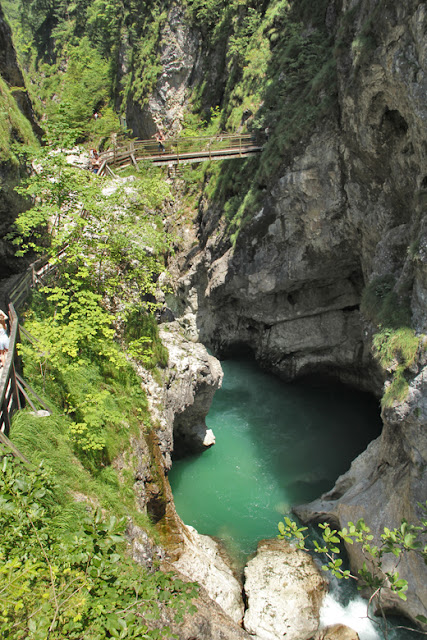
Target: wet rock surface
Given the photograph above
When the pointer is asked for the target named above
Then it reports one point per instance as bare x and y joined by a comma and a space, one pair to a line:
203, 562
337, 632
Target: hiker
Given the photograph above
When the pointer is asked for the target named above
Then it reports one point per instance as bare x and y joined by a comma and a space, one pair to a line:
160, 139
4, 338
94, 160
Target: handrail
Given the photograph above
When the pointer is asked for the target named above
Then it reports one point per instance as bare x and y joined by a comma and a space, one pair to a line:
10, 397
12, 392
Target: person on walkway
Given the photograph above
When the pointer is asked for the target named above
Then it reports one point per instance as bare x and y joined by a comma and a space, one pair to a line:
4, 338
160, 139
94, 161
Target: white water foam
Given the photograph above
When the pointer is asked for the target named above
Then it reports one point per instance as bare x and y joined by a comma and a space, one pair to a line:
353, 615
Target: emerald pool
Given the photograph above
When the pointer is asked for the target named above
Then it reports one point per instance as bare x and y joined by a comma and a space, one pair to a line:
277, 445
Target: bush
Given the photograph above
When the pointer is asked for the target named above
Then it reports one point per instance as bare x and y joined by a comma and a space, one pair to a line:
395, 344
143, 340
70, 578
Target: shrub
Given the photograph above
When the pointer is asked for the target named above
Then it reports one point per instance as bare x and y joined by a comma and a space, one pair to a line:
395, 344
70, 578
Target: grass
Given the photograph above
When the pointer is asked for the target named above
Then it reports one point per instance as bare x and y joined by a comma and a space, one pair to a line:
15, 129
395, 344
90, 477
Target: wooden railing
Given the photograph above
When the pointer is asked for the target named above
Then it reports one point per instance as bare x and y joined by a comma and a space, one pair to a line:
177, 150
14, 391
10, 396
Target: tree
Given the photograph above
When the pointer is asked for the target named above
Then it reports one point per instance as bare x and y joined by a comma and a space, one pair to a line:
408, 538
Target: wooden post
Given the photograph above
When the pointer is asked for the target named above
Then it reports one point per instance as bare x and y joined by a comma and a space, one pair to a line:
6, 419
16, 398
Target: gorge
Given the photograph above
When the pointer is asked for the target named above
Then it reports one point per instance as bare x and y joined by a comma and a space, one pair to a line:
313, 257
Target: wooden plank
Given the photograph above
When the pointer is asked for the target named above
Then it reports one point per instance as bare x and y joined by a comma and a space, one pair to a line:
27, 398
14, 450
25, 384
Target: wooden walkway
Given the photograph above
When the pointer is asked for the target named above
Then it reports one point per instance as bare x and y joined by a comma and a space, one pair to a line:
179, 151
14, 391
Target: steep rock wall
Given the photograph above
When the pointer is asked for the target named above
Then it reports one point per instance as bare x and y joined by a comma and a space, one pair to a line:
10, 170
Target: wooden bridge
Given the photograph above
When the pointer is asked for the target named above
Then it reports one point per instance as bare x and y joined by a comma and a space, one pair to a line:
178, 151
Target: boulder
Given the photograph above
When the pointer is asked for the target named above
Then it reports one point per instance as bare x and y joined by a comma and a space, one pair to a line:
337, 632
203, 562
284, 591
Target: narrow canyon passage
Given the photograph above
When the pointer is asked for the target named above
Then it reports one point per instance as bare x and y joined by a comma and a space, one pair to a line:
277, 445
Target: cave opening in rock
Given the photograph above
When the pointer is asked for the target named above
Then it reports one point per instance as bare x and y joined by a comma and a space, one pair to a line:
277, 445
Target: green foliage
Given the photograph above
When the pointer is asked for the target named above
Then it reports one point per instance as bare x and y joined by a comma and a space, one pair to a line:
15, 129
395, 344
100, 249
194, 126
405, 539
71, 95
143, 341
145, 66
206, 12
113, 243
74, 581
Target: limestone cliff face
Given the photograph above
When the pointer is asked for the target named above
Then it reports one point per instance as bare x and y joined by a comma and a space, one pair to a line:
178, 57
11, 72
347, 208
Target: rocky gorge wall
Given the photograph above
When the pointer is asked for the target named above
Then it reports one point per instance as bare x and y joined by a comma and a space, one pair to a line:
346, 208
18, 113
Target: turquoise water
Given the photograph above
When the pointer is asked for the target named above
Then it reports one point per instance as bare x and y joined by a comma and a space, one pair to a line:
277, 445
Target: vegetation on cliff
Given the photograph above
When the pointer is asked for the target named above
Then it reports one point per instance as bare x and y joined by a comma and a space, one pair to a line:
279, 66
278, 73
64, 573
15, 130
395, 344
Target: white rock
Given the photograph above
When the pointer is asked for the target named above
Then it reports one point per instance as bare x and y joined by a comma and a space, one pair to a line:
202, 562
284, 591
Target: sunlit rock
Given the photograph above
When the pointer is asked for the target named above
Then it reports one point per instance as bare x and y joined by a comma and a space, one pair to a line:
284, 591
202, 561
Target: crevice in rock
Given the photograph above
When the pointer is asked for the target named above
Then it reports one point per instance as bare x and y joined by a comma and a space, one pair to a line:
393, 123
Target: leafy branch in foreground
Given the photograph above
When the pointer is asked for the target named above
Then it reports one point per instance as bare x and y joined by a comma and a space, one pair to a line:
73, 581
373, 575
